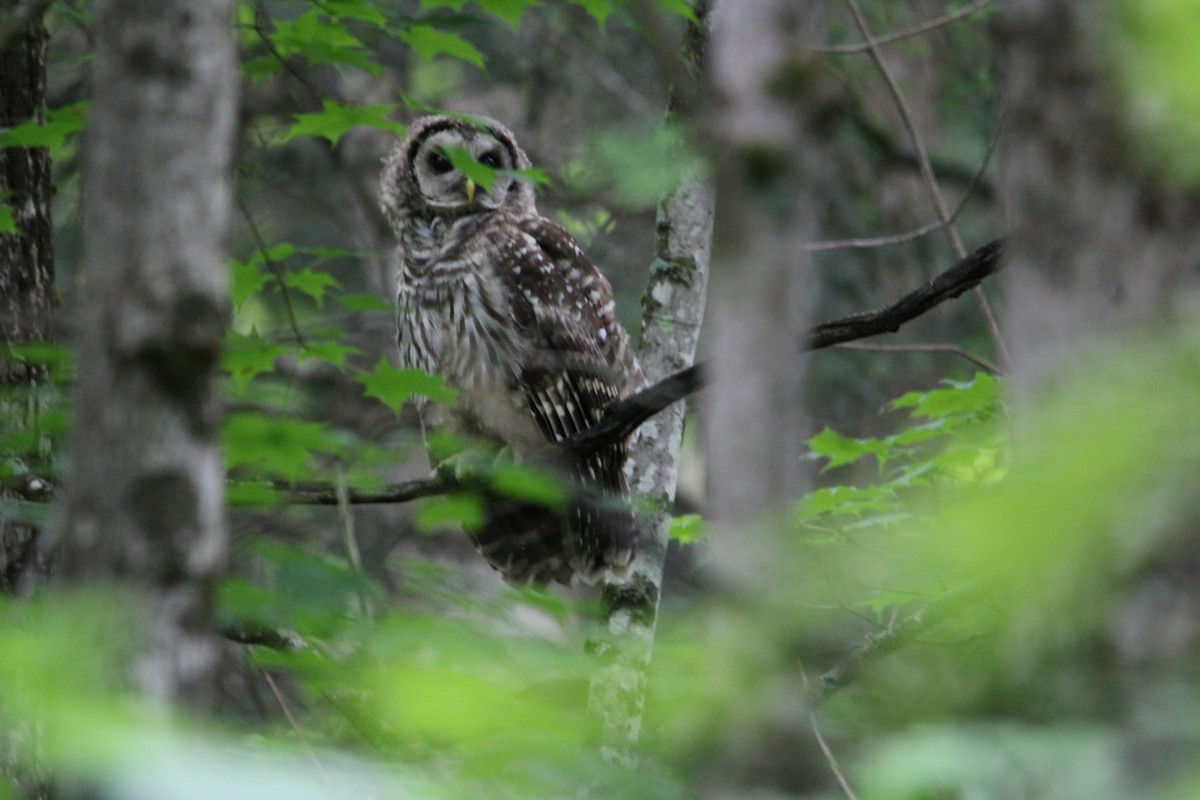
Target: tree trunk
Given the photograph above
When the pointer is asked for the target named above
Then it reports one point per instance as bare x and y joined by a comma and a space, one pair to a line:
1094, 246
1099, 249
673, 309
144, 506
26, 271
762, 283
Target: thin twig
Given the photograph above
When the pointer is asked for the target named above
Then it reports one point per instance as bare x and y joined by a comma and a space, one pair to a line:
887, 240
832, 761
926, 167
260, 17
287, 712
910, 126
900, 238
342, 493
953, 349
272, 265
906, 33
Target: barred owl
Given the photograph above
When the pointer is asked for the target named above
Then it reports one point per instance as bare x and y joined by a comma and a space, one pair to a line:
503, 304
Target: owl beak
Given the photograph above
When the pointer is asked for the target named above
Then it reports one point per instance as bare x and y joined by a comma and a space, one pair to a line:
470, 191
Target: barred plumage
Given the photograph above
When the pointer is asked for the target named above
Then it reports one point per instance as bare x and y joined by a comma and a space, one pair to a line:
505, 306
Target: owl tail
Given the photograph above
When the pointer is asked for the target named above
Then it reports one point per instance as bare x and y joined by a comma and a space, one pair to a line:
593, 538
523, 542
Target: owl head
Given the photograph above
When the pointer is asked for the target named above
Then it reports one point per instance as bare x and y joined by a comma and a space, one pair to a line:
420, 180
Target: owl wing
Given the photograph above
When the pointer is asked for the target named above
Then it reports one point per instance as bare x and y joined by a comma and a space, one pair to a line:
578, 363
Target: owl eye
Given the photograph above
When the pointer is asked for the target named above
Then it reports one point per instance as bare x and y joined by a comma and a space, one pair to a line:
439, 163
490, 159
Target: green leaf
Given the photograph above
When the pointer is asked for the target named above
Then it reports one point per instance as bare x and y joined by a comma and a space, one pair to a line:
253, 495
7, 223
247, 280
248, 356
262, 67
60, 124
680, 8
311, 282
508, 10
364, 302
841, 449
308, 592
333, 353
688, 529
355, 9
598, 9
321, 40
535, 175
275, 445
463, 509
979, 396
336, 118
526, 483
429, 42
393, 387
465, 163
56, 357
847, 501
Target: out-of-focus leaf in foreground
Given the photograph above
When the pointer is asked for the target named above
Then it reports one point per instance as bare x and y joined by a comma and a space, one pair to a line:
1157, 61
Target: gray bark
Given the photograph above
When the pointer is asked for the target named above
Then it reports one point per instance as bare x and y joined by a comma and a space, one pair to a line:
145, 496
673, 310
26, 267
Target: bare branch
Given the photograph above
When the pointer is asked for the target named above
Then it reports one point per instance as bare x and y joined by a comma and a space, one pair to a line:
965, 275
272, 265
831, 760
929, 227
889, 640
907, 33
325, 495
926, 166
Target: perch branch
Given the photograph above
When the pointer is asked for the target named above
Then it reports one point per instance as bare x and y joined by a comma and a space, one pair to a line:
626, 416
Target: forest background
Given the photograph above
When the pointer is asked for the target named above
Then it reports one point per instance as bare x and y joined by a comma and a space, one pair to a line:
959, 561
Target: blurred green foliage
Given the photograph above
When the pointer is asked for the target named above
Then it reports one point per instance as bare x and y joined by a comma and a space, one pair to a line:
1153, 48
1020, 692
1054, 532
